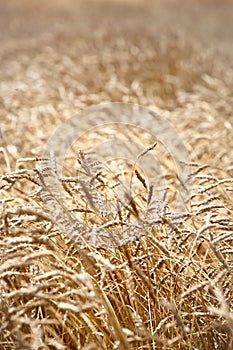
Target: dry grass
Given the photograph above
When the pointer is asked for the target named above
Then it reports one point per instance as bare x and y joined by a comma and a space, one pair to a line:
170, 287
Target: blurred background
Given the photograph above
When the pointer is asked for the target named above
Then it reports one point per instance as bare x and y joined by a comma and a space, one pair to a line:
60, 56
209, 21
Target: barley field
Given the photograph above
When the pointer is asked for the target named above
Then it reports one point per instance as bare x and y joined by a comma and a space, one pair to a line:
83, 264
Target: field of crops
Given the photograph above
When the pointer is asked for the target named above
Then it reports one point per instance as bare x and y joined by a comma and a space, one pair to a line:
121, 237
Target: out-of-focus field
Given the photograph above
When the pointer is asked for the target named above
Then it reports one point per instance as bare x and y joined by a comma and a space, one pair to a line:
172, 289
59, 57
